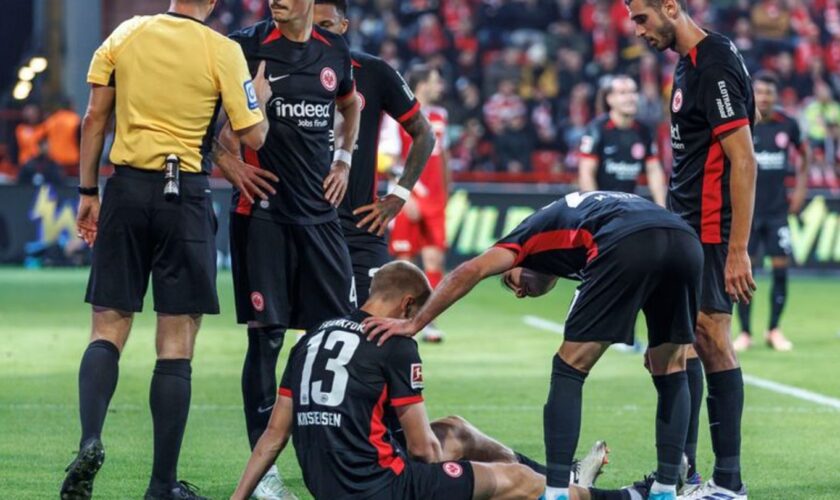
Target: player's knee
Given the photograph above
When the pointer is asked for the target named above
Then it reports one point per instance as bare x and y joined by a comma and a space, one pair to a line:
713, 344
517, 481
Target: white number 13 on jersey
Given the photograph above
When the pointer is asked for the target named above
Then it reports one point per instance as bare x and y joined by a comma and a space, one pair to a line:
335, 396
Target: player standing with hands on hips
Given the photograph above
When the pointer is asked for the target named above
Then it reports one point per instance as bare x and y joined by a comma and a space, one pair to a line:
291, 266
152, 221
713, 189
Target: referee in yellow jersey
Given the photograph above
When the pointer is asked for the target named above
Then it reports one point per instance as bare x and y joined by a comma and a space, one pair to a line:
165, 77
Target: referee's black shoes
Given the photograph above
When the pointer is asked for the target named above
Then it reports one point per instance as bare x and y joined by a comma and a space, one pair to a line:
78, 483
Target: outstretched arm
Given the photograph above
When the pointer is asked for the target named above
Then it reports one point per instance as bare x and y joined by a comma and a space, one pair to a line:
270, 445
456, 284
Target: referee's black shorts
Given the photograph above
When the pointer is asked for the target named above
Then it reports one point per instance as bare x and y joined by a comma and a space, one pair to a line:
658, 271
141, 233
289, 275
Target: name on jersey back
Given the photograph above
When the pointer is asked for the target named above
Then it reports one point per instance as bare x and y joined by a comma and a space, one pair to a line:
323, 418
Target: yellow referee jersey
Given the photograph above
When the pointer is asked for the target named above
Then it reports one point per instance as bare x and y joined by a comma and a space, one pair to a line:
171, 74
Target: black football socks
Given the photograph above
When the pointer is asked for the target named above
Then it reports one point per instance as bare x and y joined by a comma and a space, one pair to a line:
673, 410
778, 296
259, 378
98, 376
169, 400
694, 374
530, 463
561, 421
726, 405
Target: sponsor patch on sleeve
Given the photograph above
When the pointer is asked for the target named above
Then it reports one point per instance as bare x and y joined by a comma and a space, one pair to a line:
251, 94
416, 375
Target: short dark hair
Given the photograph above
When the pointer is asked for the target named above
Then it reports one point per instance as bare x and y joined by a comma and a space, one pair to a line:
768, 77
658, 3
340, 5
418, 74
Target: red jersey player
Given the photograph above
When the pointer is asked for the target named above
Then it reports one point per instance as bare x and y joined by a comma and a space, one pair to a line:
420, 228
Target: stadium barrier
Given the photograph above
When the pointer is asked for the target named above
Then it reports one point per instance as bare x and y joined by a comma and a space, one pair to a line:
37, 224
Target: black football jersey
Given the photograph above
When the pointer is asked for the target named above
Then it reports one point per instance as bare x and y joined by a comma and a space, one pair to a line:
621, 153
306, 80
561, 238
712, 94
773, 139
380, 89
344, 389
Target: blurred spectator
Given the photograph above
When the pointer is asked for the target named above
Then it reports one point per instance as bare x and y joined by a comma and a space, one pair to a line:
770, 20
29, 133
580, 112
514, 145
503, 107
508, 68
822, 119
62, 133
8, 171
41, 170
468, 104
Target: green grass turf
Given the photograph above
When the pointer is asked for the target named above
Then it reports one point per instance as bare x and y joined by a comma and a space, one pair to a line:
492, 369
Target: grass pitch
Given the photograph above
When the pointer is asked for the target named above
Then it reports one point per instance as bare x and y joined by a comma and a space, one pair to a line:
492, 369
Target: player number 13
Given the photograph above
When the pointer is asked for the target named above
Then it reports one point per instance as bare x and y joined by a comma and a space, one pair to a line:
335, 396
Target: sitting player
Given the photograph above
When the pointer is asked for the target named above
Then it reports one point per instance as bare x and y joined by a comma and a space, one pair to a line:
342, 397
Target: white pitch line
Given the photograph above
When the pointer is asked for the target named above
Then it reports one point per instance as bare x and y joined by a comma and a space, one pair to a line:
544, 324
788, 390
795, 392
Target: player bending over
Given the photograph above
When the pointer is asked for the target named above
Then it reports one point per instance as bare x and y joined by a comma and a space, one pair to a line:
630, 255
341, 397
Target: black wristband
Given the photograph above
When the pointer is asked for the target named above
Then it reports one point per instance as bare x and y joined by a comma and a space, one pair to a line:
89, 191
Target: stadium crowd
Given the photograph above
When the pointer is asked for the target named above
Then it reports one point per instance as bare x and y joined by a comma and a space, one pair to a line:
523, 76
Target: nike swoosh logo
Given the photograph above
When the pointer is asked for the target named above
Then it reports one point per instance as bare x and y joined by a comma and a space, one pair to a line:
273, 79
267, 409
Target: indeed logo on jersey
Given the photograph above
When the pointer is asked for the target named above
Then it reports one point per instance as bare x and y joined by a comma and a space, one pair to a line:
771, 160
724, 103
307, 114
622, 170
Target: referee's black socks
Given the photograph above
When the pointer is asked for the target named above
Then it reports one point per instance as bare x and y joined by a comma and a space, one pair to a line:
169, 399
259, 378
672, 415
726, 405
98, 375
561, 421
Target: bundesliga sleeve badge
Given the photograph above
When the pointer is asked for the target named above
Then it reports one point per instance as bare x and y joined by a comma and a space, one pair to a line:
416, 375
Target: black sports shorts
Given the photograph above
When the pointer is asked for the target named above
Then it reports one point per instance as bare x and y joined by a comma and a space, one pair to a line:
439, 481
657, 271
141, 233
289, 275
770, 235
367, 253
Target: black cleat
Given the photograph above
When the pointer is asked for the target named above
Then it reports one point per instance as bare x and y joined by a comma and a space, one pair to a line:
181, 491
78, 483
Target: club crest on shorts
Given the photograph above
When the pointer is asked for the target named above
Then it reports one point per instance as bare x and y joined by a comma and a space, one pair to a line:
257, 301
782, 140
361, 99
638, 151
416, 375
677, 103
328, 79
453, 469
